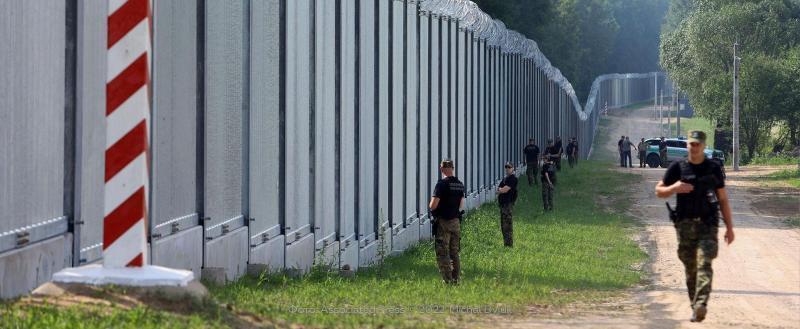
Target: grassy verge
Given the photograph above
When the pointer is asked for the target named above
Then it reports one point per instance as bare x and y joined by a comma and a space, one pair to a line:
577, 253
790, 177
581, 252
694, 123
50, 314
774, 160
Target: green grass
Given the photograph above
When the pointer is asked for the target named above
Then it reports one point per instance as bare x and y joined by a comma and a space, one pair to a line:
581, 252
774, 160
789, 176
577, 253
694, 123
18, 315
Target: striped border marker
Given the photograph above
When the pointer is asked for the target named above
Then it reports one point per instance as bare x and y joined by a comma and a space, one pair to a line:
127, 135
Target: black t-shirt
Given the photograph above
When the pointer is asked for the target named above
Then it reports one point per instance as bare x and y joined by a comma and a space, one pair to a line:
662, 146
450, 191
531, 153
511, 195
619, 144
559, 147
549, 168
552, 150
690, 205
571, 147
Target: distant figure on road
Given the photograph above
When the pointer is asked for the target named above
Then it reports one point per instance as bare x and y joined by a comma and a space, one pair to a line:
619, 149
642, 147
626, 153
445, 206
700, 188
662, 151
507, 195
572, 152
531, 152
548, 183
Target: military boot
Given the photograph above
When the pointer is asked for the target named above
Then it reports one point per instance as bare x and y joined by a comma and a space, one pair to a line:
699, 313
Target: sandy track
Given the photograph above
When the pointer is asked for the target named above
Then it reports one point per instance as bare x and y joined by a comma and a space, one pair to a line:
756, 279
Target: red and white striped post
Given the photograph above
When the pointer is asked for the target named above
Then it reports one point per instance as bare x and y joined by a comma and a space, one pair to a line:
127, 135
125, 260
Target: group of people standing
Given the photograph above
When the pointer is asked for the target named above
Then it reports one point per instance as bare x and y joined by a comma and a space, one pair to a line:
701, 202
447, 201
624, 146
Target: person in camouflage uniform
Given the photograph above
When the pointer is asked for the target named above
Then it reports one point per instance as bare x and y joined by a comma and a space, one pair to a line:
446, 204
700, 188
507, 195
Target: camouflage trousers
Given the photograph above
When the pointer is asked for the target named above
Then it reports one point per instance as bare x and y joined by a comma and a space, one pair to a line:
573, 161
447, 244
697, 247
547, 196
506, 224
532, 171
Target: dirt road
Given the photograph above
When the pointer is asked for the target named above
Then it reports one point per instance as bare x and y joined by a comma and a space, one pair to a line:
756, 279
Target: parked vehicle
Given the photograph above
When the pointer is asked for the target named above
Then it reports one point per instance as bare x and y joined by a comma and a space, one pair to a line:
676, 150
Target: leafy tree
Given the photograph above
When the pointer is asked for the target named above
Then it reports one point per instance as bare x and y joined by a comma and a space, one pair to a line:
698, 55
587, 38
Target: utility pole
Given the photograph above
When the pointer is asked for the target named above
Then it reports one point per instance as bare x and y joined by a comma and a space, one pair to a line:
678, 110
655, 95
660, 102
669, 113
736, 155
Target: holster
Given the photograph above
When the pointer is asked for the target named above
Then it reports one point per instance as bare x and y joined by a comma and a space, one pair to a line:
434, 226
673, 214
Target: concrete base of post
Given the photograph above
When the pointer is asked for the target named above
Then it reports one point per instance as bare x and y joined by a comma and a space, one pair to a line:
145, 276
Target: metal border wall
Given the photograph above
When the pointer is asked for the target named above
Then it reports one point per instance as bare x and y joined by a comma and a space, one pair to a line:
285, 133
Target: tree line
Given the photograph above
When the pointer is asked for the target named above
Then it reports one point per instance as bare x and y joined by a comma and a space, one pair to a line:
696, 51
587, 38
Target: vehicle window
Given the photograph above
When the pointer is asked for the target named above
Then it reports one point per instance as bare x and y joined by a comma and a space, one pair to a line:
682, 144
673, 144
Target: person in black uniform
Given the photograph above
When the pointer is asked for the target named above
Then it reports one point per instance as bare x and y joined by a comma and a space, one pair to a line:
548, 183
560, 148
446, 204
699, 184
572, 152
531, 152
551, 151
507, 195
